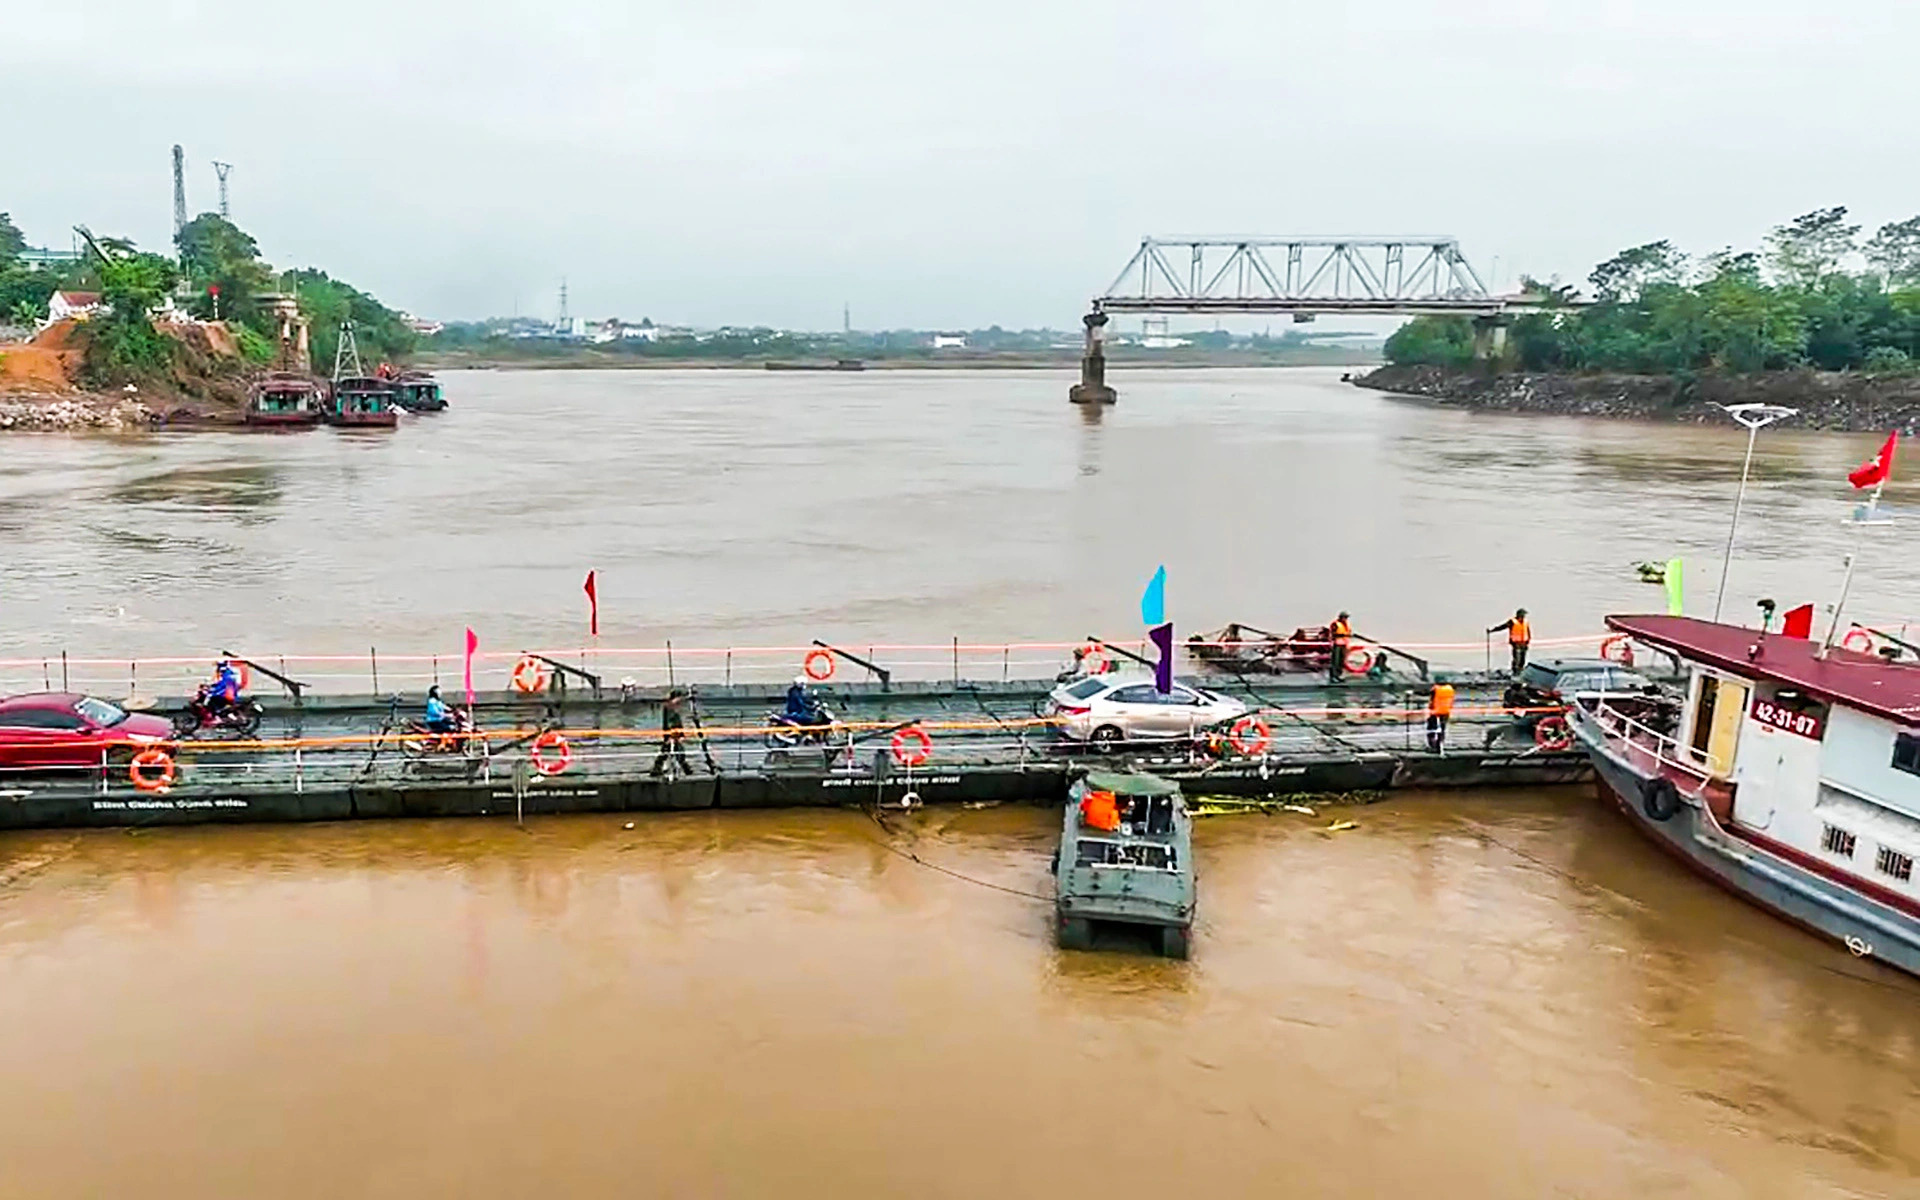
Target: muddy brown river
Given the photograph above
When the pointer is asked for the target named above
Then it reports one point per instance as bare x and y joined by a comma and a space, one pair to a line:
1498, 994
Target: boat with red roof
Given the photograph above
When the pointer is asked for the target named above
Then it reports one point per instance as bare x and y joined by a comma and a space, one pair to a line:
1790, 774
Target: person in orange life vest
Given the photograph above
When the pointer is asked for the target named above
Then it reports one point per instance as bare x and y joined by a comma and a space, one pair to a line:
1100, 810
1439, 709
1519, 637
1340, 636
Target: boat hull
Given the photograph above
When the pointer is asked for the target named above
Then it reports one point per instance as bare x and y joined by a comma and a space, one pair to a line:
283, 420
1745, 864
379, 420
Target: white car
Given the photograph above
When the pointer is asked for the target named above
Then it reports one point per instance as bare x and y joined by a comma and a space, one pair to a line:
1107, 709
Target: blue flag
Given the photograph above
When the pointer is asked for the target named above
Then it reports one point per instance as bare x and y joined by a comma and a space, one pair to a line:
1153, 601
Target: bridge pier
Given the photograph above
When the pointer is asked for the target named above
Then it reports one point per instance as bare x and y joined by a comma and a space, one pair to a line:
1092, 388
1490, 339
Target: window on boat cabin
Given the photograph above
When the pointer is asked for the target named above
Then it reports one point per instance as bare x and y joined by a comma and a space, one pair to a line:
1090, 852
1835, 840
1891, 862
1906, 753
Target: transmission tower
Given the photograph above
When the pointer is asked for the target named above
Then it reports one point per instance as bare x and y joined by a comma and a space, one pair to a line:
221, 170
565, 325
179, 191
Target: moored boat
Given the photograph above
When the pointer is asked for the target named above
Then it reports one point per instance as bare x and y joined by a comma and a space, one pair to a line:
418, 392
1791, 777
363, 402
1125, 858
284, 400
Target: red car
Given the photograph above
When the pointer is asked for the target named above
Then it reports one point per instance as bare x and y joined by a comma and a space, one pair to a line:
69, 729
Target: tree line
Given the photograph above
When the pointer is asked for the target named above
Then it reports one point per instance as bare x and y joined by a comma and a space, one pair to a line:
1817, 295
215, 272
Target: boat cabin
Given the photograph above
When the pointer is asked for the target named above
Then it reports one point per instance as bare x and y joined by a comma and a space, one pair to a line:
417, 391
363, 400
284, 398
1814, 757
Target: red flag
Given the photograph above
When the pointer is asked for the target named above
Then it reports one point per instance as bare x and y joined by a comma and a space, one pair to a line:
593, 606
1798, 622
1875, 470
473, 643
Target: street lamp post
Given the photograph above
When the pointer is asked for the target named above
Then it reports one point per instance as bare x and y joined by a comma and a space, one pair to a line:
1754, 417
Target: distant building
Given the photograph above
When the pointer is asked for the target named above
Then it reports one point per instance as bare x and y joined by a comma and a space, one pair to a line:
62, 305
949, 341
421, 326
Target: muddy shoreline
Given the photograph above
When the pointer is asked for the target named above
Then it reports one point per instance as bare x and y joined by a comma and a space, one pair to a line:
1832, 400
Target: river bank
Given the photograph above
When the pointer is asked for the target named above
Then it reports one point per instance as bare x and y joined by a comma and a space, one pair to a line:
1841, 401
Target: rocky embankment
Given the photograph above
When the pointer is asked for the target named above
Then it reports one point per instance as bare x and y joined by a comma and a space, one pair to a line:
1826, 399
75, 412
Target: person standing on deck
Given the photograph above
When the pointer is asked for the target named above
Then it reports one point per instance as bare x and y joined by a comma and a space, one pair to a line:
1339, 637
1519, 637
1439, 711
672, 733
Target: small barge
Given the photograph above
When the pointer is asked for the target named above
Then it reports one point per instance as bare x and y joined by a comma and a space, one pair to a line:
362, 402
284, 400
418, 392
1125, 858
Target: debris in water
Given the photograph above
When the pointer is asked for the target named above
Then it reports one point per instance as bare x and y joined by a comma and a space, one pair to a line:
1300, 808
1339, 826
628, 825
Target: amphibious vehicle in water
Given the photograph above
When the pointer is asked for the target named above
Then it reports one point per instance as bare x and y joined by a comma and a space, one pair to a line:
1125, 858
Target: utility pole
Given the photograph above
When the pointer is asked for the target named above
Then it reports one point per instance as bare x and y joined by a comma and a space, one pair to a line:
221, 170
179, 190
565, 324
846, 318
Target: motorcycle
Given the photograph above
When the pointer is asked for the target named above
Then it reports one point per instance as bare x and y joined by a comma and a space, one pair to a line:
419, 740
784, 733
241, 718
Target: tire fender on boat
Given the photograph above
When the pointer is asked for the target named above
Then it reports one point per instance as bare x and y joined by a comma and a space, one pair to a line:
1659, 799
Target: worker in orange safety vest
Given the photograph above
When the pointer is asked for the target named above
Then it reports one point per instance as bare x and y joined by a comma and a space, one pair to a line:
1519, 637
1439, 711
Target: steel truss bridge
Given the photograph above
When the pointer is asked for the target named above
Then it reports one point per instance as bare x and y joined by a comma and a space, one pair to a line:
1302, 276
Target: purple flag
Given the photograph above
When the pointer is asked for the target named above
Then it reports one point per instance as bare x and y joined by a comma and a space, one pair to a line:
1162, 638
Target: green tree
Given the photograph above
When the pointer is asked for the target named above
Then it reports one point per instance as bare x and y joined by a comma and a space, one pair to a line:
222, 264
1432, 341
327, 302
1811, 246
1894, 251
121, 340
12, 241
1629, 273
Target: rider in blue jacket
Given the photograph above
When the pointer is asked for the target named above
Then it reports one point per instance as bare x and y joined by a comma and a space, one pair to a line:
802, 708
440, 717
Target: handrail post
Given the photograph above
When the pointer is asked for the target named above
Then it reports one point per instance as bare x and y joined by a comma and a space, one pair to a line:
64, 685
373, 661
669, 662
729, 666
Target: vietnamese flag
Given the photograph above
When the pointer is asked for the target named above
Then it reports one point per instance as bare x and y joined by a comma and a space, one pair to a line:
593, 606
1875, 470
1798, 623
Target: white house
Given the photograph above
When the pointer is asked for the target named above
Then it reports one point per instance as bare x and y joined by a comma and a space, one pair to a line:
62, 305
949, 341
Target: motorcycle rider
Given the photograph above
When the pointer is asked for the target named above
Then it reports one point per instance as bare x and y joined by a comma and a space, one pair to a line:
224, 692
802, 708
440, 717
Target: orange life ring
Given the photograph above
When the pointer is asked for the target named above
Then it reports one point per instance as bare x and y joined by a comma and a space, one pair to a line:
1553, 734
1094, 660
1360, 667
240, 668
550, 754
158, 759
1857, 640
1617, 649
818, 656
529, 675
1250, 735
911, 746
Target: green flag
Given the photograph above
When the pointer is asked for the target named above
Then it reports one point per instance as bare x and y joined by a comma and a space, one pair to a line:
1673, 587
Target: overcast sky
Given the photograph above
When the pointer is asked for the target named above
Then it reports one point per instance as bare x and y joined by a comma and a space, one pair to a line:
938, 164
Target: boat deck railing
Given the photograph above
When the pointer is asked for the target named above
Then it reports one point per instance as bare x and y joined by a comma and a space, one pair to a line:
1664, 750
381, 673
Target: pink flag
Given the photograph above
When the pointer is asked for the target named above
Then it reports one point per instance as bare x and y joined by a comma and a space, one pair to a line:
593, 606
473, 643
